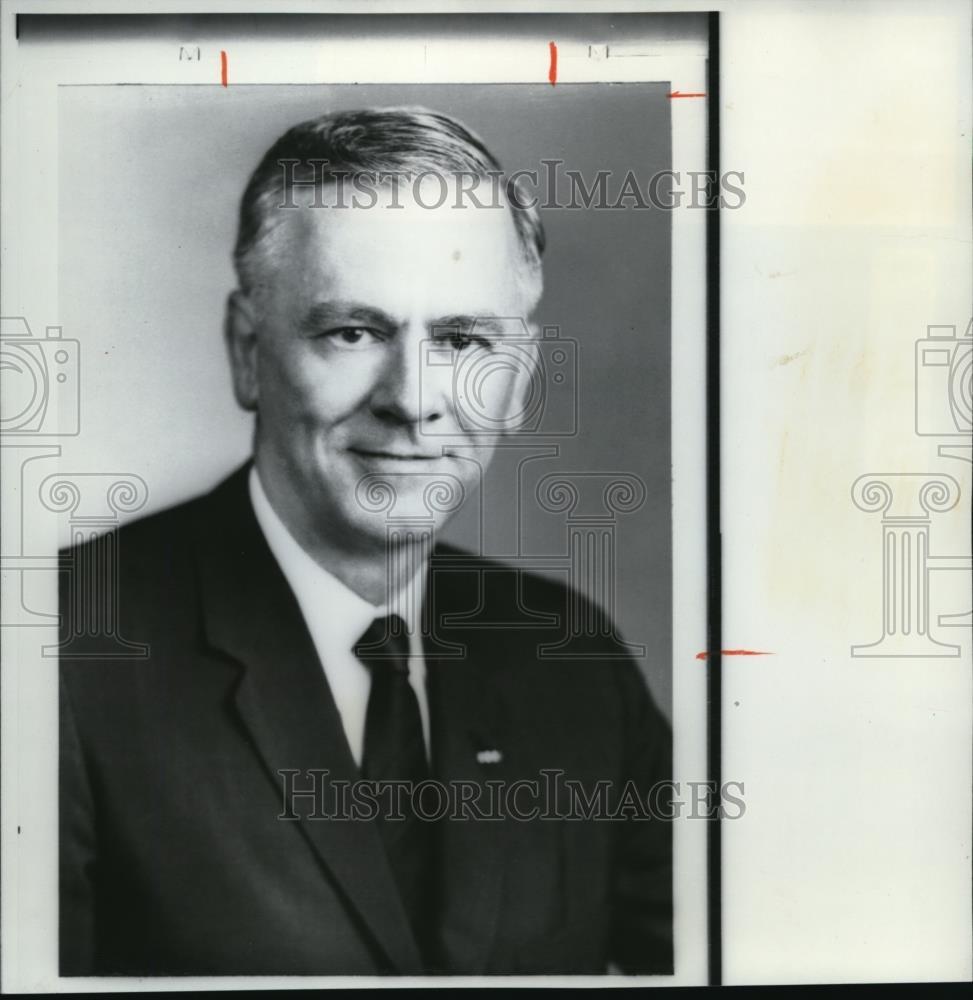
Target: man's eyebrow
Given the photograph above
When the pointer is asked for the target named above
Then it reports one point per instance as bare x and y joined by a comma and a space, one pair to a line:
485, 322
342, 311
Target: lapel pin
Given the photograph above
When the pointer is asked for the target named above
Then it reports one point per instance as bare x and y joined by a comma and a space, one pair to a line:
489, 757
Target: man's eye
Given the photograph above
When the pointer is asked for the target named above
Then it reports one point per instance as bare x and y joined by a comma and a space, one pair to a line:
460, 341
352, 336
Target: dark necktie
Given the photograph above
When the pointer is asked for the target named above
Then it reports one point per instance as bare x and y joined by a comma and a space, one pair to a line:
395, 751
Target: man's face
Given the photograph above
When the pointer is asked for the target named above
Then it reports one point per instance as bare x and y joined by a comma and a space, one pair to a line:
334, 354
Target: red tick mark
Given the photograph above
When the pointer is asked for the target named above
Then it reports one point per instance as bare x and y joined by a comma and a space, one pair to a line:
552, 72
676, 93
734, 652
222, 67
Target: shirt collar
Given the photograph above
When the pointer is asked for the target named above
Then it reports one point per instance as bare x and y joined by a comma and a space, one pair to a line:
349, 615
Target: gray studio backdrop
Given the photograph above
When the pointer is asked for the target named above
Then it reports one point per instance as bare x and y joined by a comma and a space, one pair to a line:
149, 184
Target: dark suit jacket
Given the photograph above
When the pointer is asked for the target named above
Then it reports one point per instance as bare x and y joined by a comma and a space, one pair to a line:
173, 858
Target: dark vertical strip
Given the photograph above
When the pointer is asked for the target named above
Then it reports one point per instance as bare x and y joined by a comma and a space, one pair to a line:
714, 549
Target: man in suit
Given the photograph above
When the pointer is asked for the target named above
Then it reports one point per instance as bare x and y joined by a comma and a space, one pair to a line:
302, 642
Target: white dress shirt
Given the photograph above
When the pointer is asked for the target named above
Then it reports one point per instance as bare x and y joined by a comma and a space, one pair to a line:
337, 618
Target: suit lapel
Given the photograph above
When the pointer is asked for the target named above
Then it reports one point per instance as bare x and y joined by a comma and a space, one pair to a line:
284, 702
468, 736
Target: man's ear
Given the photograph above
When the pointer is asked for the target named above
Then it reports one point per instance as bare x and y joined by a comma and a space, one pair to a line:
240, 333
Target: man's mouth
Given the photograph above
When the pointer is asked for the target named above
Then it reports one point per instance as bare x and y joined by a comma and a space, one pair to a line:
396, 455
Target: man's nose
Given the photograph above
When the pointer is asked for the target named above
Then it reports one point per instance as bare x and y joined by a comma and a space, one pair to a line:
410, 390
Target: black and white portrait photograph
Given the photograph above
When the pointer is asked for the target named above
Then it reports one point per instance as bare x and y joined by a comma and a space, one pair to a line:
374, 674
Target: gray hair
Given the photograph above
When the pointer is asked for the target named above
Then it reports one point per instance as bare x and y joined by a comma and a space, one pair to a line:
402, 141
